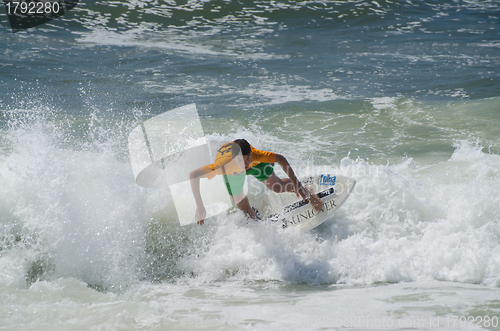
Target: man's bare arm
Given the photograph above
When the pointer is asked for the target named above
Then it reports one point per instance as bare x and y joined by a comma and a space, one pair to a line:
299, 189
283, 162
195, 176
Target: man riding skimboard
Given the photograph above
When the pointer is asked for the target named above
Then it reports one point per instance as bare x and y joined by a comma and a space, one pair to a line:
237, 159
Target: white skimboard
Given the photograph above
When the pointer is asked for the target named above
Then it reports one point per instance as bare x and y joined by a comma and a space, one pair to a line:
298, 214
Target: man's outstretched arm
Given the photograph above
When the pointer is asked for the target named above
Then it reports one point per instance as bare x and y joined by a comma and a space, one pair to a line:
299, 189
195, 176
287, 168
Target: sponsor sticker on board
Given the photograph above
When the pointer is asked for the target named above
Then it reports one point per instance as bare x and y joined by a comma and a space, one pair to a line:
327, 180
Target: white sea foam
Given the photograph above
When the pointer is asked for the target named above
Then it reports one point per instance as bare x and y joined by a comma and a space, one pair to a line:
191, 43
68, 213
274, 93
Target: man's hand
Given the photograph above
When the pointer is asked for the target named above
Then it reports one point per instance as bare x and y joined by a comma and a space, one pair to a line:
315, 202
200, 215
308, 193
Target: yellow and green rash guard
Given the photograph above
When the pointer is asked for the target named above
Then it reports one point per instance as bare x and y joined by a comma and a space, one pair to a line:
224, 163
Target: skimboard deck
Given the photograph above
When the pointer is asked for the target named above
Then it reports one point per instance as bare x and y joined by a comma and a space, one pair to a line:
299, 214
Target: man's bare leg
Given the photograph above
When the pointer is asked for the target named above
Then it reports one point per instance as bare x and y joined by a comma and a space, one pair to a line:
244, 206
278, 185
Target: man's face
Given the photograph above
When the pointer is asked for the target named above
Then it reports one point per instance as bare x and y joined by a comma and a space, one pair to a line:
247, 159
243, 162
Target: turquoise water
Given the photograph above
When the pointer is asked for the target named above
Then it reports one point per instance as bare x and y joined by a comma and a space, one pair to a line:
401, 95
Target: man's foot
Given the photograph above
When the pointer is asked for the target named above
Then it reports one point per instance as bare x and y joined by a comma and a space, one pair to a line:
314, 199
257, 215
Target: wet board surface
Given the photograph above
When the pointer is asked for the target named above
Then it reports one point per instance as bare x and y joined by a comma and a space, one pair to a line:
297, 214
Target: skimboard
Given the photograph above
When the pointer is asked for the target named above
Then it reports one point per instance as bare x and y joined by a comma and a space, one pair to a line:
293, 213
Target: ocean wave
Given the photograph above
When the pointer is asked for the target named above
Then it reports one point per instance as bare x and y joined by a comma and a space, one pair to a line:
402, 223
222, 15
71, 209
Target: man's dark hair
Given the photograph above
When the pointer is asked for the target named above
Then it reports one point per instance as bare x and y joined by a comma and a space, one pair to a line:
244, 146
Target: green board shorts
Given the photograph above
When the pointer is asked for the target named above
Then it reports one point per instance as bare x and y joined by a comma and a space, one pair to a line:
261, 171
235, 183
